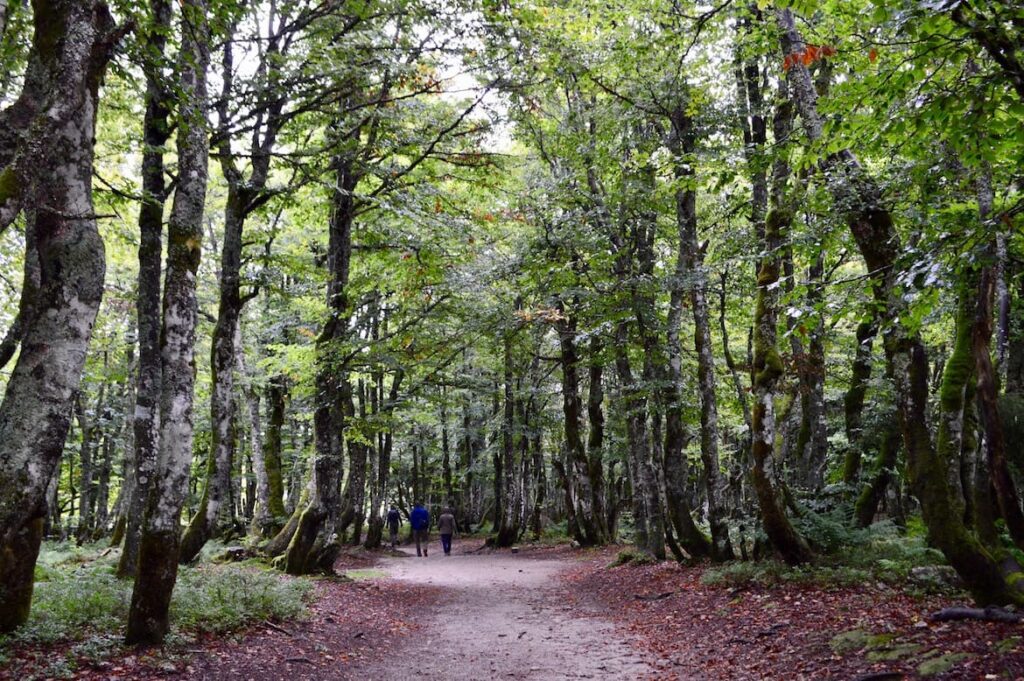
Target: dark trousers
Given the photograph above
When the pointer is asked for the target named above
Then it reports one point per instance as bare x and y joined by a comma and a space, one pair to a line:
394, 536
446, 543
422, 536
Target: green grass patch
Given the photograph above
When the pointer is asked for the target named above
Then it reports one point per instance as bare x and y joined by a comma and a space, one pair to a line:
78, 600
941, 664
633, 556
366, 573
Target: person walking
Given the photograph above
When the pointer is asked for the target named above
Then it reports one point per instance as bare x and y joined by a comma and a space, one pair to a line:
446, 528
420, 521
394, 521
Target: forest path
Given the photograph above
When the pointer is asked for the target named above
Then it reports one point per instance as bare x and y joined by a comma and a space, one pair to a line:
501, 615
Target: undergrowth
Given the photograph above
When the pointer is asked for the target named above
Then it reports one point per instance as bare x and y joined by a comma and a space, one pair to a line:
846, 557
633, 556
79, 604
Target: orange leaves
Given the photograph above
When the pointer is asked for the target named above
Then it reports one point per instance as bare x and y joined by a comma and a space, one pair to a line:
872, 55
808, 56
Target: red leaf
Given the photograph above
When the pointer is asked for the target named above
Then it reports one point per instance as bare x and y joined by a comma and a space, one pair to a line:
873, 55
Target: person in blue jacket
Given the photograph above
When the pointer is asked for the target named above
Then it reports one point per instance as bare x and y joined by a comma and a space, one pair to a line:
420, 521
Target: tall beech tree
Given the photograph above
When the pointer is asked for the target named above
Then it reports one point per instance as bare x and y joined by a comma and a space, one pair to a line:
157, 571
46, 165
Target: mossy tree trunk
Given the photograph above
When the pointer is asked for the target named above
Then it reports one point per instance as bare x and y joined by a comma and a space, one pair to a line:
987, 380
148, 620
316, 540
49, 165
856, 395
784, 538
277, 399
957, 375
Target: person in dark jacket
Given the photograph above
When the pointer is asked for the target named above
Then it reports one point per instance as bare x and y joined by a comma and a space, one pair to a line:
394, 521
446, 528
420, 521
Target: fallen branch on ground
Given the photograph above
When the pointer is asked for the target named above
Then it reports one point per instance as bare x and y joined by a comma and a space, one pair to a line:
652, 597
989, 614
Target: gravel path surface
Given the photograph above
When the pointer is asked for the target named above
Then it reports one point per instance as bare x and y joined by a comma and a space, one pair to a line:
500, 616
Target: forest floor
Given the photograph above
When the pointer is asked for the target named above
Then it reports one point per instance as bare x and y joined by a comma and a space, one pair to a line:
551, 612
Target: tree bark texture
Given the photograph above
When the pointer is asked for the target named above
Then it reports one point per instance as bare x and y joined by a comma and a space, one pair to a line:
52, 166
157, 570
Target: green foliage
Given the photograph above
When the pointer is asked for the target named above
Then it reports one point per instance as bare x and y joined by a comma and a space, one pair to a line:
877, 554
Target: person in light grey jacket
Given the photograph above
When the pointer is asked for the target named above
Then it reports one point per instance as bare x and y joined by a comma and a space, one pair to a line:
446, 527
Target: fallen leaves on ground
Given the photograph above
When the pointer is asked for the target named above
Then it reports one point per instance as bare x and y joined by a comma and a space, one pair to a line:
792, 631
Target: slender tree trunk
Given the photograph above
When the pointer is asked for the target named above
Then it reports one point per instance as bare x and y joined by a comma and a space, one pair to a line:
994, 441
595, 436
277, 398
316, 541
634, 404
692, 278
856, 393
873, 491
446, 463
579, 465
146, 419
215, 508
103, 487
508, 526
258, 496
767, 364
380, 482
51, 166
158, 548
958, 373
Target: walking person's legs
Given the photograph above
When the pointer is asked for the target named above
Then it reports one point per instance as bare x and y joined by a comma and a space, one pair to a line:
419, 535
446, 543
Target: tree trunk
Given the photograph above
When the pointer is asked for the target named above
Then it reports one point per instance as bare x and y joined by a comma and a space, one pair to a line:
508, 526
873, 492
158, 548
316, 542
146, 419
277, 397
691, 277
215, 508
853, 399
52, 167
767, 365
790, 546
994, 441
380, 482
579, 465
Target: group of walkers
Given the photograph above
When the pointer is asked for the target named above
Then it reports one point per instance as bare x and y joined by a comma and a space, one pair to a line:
419, 519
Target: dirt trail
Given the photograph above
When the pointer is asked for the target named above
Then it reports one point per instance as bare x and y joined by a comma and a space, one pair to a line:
502, 616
